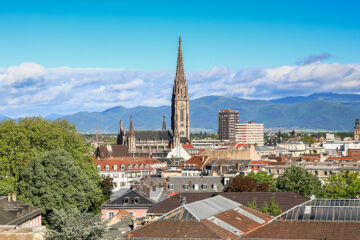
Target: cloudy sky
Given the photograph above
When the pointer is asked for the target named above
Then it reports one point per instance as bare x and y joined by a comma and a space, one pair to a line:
71, 56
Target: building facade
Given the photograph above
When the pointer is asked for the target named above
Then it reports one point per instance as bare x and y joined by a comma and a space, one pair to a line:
249, 133
227, 120
160, 142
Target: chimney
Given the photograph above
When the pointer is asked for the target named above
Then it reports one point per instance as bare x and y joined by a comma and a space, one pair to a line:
238, 166
153, 187
165, 186
147, 191
190, 185
14, 197
9, 197
137, 187
221, 169
160, 185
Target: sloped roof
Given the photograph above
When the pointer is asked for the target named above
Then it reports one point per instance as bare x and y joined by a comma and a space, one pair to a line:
285, 200
115, 151
16, 212
158, 135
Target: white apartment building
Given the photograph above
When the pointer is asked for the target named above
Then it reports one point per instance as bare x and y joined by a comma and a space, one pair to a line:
249, 133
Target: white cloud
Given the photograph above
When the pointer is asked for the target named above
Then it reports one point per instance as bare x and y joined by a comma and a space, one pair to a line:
32, 89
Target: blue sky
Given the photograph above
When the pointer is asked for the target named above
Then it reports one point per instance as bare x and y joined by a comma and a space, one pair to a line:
55, 54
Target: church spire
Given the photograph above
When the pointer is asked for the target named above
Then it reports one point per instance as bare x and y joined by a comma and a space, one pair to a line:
180, 75
131, 126
164, 123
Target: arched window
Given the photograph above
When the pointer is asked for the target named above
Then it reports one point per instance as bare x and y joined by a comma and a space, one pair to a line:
107, 167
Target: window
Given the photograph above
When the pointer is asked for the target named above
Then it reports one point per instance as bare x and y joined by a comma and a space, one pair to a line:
277, 172
171, 186
129, 166
122, 167
116, 175
316, 173
269, 171
186, 186
181, 114
196, 186
325, 172
204, 186
136, 200
115, 167
115, 185
111, 215
107, 167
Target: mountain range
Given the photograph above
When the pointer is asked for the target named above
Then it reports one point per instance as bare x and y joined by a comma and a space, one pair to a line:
321, 111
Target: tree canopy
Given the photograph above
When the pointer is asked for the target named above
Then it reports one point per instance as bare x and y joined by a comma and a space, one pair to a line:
296, 179
52, 180
246, 184
21, 141
263, 178
345, 184
71, 224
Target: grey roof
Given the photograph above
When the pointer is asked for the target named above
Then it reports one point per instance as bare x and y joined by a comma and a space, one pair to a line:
334, 210
213, 183
165, 135
16, 212
263, 148
119, 193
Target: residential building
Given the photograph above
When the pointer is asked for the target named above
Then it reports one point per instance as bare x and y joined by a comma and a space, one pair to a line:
249, 133
125, 171
182, 184
227, 120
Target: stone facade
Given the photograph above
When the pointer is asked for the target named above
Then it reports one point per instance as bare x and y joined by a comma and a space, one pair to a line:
357, 130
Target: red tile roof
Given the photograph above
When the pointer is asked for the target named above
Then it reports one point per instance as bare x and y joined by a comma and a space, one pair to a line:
195, 162
187, 146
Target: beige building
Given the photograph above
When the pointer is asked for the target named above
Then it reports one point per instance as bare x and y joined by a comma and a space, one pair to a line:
249, 133
236, 154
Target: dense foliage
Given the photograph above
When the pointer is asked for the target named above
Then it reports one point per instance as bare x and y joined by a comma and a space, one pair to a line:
264, 179
345, 184
52, 180
71, 224
296, 179
271, 208
107, 186
246, 184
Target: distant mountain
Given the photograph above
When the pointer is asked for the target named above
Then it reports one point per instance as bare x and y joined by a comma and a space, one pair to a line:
52, 116
325, 111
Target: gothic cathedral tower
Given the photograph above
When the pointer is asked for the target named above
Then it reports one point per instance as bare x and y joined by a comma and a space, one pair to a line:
180, 114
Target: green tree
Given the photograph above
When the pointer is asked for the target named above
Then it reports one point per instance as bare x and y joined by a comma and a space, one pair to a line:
345, 184
272, 208
296, 179
71, 224
107, 186
307, 139
53, 180
252, 204
20, 142
241, 184
263, 178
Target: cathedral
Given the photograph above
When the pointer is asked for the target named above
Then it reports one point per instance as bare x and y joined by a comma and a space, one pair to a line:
159, 142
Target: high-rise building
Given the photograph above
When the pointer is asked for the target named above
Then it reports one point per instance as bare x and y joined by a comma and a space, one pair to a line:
180, 114
249, 133
357, 130
227, 120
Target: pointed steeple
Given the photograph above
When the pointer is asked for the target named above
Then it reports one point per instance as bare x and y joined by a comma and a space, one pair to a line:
131, 128
164, 123
180, 75
357, 123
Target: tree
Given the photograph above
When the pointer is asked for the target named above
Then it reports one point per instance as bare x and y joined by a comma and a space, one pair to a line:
264, 181
296, 179
252, 204
307, 139
272, 209
246, 184
71, 224
107, 186
345, 184
241, 184
22, 141
53, 180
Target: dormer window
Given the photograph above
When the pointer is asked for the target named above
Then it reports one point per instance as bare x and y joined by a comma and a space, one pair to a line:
186, 186
126, 200
122, 167
136, 200
115, 167
98, 167
107, 167
204, 186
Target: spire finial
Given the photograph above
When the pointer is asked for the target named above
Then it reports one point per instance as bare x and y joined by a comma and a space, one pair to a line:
131, 125
164, 123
